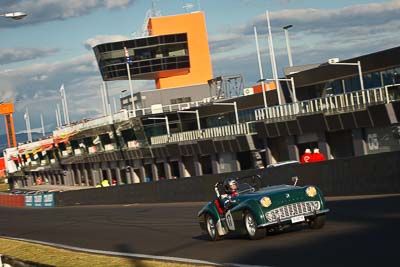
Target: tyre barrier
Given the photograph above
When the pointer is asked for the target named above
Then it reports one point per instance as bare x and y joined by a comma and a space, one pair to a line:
12, 200
40, 200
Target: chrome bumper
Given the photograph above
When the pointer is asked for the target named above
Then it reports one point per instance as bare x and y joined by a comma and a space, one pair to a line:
315, 213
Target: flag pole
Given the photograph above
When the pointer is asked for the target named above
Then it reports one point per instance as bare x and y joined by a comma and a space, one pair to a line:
129, 76
41, 121
58, 123
63, 105
66, 106
59, 115
28, 125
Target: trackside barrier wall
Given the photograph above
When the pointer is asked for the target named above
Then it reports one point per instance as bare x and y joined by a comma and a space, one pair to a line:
12, 200
371, 174
42, 200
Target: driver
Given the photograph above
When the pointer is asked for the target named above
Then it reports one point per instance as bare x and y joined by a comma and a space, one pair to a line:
231, 187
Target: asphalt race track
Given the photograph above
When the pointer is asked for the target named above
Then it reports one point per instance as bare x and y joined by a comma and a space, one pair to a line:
359, 232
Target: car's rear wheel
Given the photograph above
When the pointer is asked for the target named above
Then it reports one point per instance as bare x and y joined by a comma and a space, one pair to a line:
211, 228
318, 222
253, 232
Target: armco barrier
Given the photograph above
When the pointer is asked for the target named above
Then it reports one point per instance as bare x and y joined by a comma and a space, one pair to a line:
12, 200
371, 174
41, 200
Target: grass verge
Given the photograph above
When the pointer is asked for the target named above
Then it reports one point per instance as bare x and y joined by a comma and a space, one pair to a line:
61, 257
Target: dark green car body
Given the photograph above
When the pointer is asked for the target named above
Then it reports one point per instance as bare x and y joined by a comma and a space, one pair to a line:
289, 205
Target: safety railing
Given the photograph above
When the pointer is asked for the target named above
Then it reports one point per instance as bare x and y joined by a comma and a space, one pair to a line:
155, 109
222, 131
332, 104
124, 115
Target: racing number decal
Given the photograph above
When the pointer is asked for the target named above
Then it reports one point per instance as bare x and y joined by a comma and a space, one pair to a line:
229, 220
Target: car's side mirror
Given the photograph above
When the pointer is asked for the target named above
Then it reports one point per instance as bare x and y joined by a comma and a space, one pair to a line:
294, 180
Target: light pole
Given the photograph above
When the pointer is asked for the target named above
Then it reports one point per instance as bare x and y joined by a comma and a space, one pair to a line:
193, 112
273, 60
166, 122
285, 28
14, 15
230, 104
335, 61
260, 68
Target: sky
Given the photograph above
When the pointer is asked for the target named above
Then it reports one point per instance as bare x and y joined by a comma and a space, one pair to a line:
52, 45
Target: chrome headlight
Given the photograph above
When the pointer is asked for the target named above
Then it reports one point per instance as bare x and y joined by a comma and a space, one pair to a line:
311, 191
265, 202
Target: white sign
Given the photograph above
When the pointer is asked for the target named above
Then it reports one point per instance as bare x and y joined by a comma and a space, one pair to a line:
373, 142
298, 219
229, 220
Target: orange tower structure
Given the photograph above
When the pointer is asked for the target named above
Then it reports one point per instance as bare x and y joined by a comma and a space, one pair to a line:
200, 60
7, 109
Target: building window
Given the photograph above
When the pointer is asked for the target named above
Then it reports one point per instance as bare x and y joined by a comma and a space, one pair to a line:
372, 80
181, 100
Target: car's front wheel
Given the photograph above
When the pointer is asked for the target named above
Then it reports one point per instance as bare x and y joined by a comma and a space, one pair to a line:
318, 222
253, 232
211, 228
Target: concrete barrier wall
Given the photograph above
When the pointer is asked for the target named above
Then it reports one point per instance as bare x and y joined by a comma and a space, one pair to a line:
371, 174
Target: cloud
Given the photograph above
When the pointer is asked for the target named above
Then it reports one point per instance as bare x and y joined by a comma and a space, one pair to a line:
11, 55
317, 35
100, 39
38, 89
50, 10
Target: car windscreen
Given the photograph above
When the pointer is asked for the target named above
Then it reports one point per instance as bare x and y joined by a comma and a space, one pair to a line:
244, 188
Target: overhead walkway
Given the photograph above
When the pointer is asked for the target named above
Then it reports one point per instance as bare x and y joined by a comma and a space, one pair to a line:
332, 104
348, 102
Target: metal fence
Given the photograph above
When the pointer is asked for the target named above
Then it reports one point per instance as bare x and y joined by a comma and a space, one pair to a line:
332, 104
228, 130
124, 115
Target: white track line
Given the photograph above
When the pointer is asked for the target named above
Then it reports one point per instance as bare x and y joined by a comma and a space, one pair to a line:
112, 253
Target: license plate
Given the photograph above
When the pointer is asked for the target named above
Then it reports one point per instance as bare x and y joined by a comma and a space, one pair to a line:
298, 219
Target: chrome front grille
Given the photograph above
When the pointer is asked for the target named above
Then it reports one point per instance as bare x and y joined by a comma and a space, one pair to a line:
292, 210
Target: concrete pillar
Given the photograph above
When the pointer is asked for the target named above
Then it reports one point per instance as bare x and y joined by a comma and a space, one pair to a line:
78, 174
94, 174
237, 162
134, 177
108, 171
183, 172
323, 146
359, 143
127, 168
58, 179
30, 179
19, 183
71, 176
85, 175
293, 151
142, 173
118, 173
215, 164
167, 170
62, 178
52, 178
154, 171
100, 173
198, 170
269, 158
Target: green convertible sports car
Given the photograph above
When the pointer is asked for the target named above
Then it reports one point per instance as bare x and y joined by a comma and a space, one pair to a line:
252, 209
